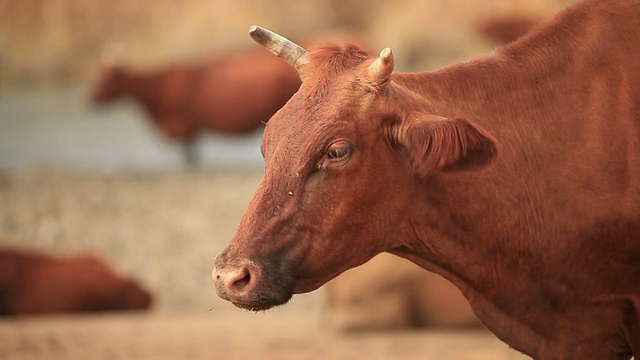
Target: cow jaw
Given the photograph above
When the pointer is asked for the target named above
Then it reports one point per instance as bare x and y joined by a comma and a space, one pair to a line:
273, 257
260, 286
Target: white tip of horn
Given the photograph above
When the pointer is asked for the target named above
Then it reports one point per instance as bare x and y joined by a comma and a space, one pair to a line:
386, 55
382, 67
292, 53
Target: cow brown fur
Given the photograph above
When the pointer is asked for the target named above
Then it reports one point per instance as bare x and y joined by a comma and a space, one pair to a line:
231, 94
515, 175
32, 283
389, 292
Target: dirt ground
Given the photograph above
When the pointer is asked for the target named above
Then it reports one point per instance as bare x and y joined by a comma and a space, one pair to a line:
232, 334
164, 229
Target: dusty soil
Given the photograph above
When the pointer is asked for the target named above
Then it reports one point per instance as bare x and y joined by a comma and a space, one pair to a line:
164, 230
230, 334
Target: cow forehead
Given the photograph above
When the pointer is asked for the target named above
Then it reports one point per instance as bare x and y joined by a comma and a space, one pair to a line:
340, 99
333, 98
298, 132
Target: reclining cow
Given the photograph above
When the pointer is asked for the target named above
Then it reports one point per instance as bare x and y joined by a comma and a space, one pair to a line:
516, 176
33, 283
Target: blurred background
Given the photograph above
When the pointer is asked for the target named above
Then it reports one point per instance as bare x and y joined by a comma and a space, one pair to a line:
111, 181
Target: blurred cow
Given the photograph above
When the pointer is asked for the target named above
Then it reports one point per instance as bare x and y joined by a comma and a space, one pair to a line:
34, 284
231, 94
389, 292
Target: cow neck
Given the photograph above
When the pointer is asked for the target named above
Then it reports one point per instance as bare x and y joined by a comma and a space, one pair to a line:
468, 225
143, 86
454, 235
494, 84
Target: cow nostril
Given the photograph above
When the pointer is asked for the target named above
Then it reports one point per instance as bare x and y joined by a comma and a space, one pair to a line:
240, 284
235, 283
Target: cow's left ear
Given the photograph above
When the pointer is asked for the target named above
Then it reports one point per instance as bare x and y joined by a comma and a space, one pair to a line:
441, 144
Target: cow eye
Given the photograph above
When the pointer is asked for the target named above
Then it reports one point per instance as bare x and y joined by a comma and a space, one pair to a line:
339, 150
337, 154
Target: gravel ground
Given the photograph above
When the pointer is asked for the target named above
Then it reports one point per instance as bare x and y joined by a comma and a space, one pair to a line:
164, 229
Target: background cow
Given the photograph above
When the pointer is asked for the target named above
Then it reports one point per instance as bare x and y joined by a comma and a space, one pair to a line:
32, 283
231, 94
389, 292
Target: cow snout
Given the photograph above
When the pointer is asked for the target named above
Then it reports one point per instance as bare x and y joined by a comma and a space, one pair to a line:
252, 285
235, 281
232, 283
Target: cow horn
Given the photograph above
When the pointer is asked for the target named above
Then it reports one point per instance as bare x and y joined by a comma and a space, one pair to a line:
294, 54
382, 67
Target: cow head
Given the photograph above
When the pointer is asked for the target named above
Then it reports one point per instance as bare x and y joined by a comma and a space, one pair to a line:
342, 161
109, 85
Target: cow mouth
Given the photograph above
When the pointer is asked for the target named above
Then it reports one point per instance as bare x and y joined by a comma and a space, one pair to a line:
262, 304
251, 285
253, 307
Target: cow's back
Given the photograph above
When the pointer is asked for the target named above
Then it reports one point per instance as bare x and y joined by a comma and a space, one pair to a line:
240, 92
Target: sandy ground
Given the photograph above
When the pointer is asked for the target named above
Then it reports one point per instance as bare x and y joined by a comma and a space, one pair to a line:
280, 334
164, 229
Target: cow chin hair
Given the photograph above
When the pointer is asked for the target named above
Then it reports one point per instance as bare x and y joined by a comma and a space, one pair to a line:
276, 288
264, 304
264, 301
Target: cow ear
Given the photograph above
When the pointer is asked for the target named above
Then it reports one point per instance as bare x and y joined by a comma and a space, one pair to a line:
448, 145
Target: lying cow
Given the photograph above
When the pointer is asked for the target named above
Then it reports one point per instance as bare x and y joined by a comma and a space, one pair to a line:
516, 176
392, 293
231, 94
34, 284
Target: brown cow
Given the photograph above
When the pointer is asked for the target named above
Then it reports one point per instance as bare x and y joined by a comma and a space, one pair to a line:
516, 176
389, 292
34, 284
235, 93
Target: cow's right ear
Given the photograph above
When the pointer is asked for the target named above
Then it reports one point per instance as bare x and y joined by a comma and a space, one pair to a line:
440, 144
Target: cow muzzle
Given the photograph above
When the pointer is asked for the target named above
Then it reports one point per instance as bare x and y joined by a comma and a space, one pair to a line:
242, 282
234, 281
